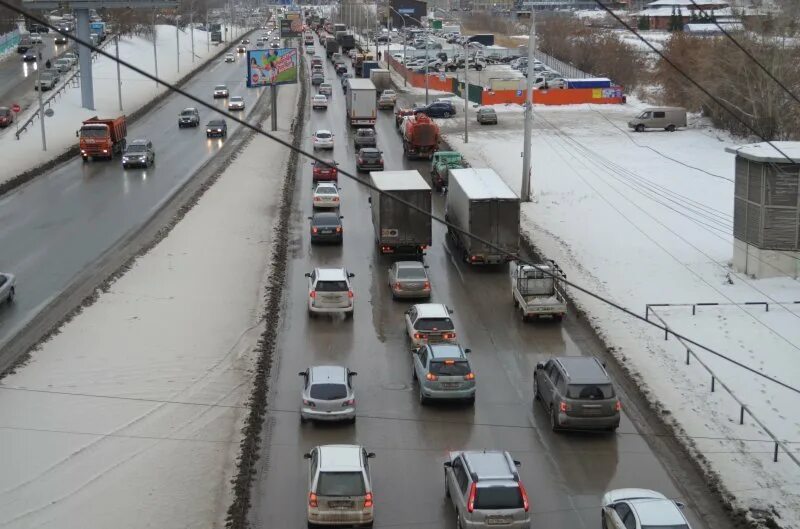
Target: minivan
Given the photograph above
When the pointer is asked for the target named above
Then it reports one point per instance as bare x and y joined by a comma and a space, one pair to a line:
667, 118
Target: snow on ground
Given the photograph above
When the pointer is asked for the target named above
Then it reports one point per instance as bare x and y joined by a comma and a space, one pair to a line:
131, 416
647, 218
136, 91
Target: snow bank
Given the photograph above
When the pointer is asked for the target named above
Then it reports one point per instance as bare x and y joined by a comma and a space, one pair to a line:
647, 218
136, 91
130, 417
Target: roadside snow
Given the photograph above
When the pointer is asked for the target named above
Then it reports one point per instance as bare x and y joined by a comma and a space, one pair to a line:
130, 417
136, 91
647, 218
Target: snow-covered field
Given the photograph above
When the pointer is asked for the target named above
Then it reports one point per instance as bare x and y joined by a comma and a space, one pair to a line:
136, 91
130, 417
647, 218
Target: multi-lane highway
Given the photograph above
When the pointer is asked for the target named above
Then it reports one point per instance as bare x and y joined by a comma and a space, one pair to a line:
565, 474
17, 76
63, 221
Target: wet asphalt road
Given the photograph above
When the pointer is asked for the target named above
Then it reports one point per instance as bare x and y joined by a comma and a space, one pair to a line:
63, 221
16, 76
565, 474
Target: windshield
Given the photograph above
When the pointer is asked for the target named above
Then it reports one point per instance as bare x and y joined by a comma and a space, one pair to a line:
94, 132
331, 286
136, 148
323, 135
328, 391
411, 273
215, 124
678, 526
370, 155
590, 391
434, 324
326, 219
187, 113
498, 497
326, 190
220, 87
340, 484
449, 368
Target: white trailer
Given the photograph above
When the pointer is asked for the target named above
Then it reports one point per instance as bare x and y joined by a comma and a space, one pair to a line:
361, 103
539, 290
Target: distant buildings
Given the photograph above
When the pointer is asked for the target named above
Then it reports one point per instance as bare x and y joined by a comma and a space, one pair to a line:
662, 14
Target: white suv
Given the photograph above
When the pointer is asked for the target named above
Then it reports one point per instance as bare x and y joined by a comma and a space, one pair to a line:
429, 323
330, 291
339, 486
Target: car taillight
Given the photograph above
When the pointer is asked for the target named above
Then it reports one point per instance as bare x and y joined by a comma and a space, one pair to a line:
312, 499
469, 376
426, 285
350, 294
350, 402
449, 336
431, 376
473, 258
360, 160
314, 230
423, 247
563, 407
338, 229
335, 199
473, 491
309, 403
418, 336
398, 286
525, 504
317, 199
368, 500
618, 406
313, 293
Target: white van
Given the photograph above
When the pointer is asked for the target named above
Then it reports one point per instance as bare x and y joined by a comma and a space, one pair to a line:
667, 118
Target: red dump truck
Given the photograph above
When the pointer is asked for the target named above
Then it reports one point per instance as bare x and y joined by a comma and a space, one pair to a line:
102, 138
420, 137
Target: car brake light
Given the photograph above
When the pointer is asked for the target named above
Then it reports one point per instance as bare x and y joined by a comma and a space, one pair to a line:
350, 402
313, 293
360, 160
312, 499
398, 286
309, 403
473, 258
417, 336
335, 199
426, 285
449, 362
618, 406
317, 199
469, 376
338, 229
431, 376
473, 491
314, 230
423, 247
368, 500
350, 294
449, 336
525, 504
563, 407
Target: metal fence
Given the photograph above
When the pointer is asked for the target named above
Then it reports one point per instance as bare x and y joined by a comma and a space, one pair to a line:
566, 70
650, 311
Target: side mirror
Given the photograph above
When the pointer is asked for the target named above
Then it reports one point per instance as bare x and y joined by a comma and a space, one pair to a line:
306, 456
448, 464
415, 351
308, 275
680, 504
467, 351
425, 266
540, 365
517, 463
370, 455
351, 274
369, 199
302, 374
352, 374
341, 216
449, 310
77, 133
309, 218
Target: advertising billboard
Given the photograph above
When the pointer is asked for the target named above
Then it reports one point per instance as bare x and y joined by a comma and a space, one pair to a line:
291, 25
272, 67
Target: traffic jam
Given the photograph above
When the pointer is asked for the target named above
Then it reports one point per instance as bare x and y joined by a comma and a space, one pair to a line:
438, 385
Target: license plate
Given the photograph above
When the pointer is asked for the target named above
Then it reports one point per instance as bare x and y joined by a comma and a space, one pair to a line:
331, 298
340, 504
498, 520
434, 338
450, 385
326, 231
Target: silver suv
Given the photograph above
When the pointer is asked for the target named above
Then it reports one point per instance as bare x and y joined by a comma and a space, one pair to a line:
443, 372
339, 486
486, 491
577, 393
329, 291
328, 394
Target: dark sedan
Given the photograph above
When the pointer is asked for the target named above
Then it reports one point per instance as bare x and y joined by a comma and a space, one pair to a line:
216, 128
369, 159
437, 109
6, 117
326, 226
29, 56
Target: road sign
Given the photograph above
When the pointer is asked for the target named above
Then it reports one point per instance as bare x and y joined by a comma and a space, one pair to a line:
15, 108
49, 112
519, 93
442, 77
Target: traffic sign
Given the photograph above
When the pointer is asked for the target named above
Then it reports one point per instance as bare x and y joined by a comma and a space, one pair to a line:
519, 93
15, 108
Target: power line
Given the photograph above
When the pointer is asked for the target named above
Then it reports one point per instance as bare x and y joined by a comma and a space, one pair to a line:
691, 80
440, 220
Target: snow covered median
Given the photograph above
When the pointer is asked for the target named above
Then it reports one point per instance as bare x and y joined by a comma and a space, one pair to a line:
136, 92
131, 416
647, 218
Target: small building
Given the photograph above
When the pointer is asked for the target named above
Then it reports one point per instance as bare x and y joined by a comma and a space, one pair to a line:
766, 209
661, 12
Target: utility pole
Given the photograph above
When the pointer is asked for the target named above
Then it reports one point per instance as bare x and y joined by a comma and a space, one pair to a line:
525, 192
178, 45
119, 80
155, 48
191, 25
466, 93
208, 33
427, 60
41, 105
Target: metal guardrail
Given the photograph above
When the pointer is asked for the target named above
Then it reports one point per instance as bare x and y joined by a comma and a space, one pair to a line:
566, 70
650, 311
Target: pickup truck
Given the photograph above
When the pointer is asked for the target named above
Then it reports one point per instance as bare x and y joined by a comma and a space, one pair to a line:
539, 290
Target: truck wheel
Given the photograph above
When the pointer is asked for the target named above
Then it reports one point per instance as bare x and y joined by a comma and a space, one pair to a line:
671, 128
639, 128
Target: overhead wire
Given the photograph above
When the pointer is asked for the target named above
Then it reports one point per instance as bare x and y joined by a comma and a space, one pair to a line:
328, 163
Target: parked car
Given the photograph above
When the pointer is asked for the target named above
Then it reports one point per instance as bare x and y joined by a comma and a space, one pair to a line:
220, 91
323, 139
667, 118
62, 65
365, 137
48, 80
330, 292
339, 486
437, 109
6, 117
577, 392
443, 372
409, 279
326, 89
71, 56
138, 153
486, 491
487, 116
319, 101
324, 173
640, 509
326, 195
369, 159
429, 323
229, 57
327, 394
8, 284
236, 103
189, 117
216, 128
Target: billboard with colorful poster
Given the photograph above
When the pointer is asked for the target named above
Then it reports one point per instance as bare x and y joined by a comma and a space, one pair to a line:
272, 67
291, 25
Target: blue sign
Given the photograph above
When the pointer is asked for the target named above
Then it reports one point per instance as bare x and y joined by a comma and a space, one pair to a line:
519, 93
406, 11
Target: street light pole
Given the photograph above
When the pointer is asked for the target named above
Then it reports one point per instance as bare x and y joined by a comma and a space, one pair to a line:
466, 93
41, 106
155, 47
119, 80
427, 61
525, 192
